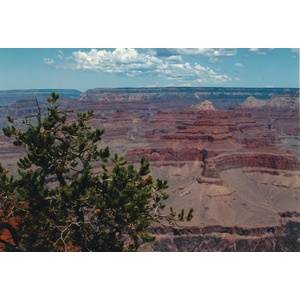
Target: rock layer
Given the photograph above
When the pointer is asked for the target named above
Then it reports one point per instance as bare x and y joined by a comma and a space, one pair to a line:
281, 238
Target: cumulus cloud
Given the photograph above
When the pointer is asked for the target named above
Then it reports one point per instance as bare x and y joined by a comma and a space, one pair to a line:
131, 62
48, 61
239, 65
117, 61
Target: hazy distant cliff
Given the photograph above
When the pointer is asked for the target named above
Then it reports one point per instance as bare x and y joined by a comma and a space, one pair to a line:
179, 97
11, 96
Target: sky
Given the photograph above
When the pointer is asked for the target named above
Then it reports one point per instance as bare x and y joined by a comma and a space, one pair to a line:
86, 68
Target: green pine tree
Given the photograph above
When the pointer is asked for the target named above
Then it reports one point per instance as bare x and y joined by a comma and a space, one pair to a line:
58, 203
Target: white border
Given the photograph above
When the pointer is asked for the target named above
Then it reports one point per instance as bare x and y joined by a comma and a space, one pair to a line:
256, 23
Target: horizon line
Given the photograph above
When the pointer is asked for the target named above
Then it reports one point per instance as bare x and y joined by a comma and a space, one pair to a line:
147, 87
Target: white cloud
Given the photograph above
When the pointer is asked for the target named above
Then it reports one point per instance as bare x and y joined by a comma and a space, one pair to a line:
134, 63
257, 51
295, 50
117, 61
214, 60
224, 52
174, 58
48, 61
60, 54
220, 78
200, 68
210, 52
239, 65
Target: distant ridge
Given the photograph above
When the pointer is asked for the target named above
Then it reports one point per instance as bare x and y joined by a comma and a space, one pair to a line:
195, 89
8, 97
165, 97
179, 97
279, 101
38, 90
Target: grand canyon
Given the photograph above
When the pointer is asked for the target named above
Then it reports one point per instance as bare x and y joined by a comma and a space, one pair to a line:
230, 153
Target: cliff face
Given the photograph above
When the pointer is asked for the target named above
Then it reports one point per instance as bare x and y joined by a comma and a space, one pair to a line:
281, 238
214, 166
231, 168
219, 138
281, 114
11, 96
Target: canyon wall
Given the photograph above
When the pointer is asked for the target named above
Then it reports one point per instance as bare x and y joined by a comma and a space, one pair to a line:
281, 238
238, 168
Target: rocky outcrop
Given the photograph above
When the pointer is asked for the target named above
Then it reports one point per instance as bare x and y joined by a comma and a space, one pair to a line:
205, 105
207, 180
223, 162
252, 102
223, 243
290, 214
281, 238
165, 154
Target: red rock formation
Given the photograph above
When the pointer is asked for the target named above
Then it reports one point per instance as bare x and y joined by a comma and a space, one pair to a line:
241, 160
281, 238
280, 114
165, 154
231, 139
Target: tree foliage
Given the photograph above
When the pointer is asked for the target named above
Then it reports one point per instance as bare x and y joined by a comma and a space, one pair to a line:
59, 202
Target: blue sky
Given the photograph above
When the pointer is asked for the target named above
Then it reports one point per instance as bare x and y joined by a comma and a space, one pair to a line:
82, 69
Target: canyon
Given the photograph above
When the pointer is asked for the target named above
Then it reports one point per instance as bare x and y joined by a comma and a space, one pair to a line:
231, 154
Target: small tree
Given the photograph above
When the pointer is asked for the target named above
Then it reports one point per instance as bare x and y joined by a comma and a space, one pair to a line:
60, 203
